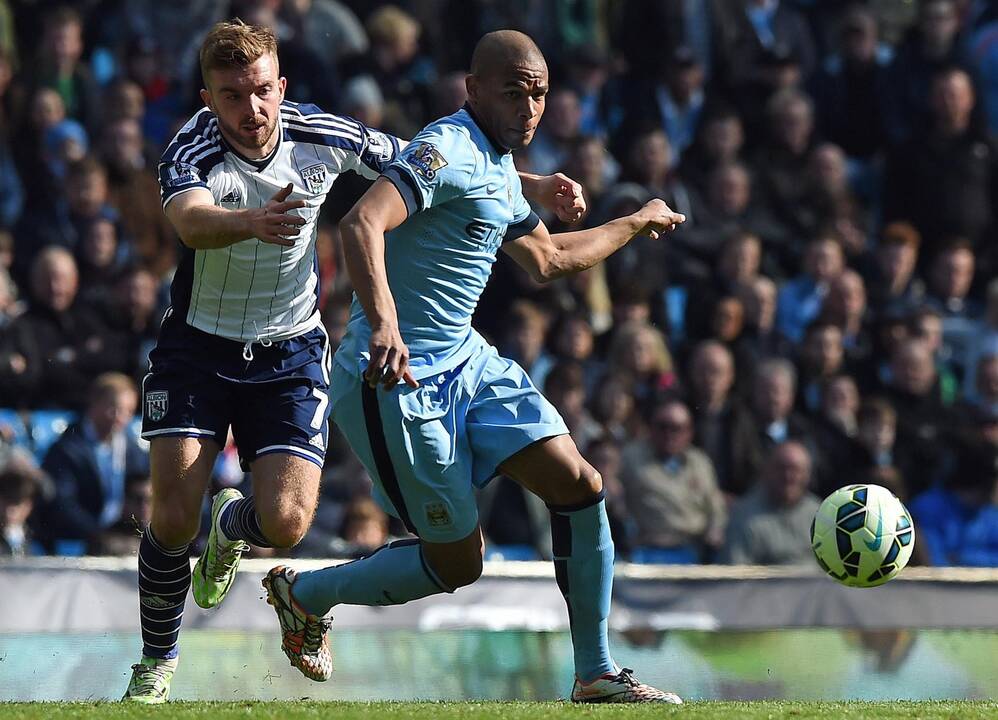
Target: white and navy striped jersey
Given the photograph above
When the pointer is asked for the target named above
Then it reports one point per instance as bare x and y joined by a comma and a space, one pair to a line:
253, 290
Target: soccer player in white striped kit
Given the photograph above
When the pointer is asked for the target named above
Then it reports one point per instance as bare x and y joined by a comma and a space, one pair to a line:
242, 344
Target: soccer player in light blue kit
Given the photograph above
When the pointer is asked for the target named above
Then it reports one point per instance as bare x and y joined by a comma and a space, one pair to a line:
430, 407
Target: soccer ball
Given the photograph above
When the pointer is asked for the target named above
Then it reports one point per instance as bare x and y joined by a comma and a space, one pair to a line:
862, 535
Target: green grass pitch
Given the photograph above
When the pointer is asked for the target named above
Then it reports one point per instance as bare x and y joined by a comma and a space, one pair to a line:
306, 710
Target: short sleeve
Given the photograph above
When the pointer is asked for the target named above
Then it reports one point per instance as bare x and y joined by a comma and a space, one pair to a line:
524, 218
379, 151
435, 167
176, 178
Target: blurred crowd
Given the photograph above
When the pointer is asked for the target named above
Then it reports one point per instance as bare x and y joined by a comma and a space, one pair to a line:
827, 315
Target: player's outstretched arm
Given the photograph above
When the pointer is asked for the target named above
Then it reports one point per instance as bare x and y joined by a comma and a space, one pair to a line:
547, 257
362, 232
556, 193
202, 225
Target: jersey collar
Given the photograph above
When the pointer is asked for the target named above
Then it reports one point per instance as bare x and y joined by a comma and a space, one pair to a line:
495, 145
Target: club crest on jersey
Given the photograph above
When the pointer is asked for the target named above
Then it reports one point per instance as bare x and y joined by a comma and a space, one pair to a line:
314, 177
425, 159
157, 403
437, 514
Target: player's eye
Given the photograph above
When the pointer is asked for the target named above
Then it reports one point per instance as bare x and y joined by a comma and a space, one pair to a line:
264, 91
512, 94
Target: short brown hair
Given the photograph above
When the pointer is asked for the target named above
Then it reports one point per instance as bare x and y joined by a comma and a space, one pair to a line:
901, 233
111, 384
877, 410
235, 45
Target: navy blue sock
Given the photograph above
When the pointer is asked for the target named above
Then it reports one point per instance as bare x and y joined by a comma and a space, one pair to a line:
241, 521
164, 578
583, 566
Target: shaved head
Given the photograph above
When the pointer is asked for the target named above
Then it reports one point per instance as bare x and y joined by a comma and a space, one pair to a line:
503, 49
507, 87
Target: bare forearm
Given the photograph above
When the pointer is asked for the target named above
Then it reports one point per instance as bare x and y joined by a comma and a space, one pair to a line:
580, 250
364, 252
207, 227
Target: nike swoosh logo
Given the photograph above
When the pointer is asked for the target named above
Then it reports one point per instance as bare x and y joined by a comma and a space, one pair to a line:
875, 545
491, 189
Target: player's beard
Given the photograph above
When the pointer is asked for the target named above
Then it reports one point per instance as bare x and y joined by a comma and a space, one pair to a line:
252, 141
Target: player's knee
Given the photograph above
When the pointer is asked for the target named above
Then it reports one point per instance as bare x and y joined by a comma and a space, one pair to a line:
173, 526
460, 564
286, 527
576, 485
461, 573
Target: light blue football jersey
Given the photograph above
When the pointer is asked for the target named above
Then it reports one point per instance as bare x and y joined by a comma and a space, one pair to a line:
464, 200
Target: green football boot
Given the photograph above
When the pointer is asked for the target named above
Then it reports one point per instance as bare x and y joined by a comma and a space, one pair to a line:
216, 568
150, 683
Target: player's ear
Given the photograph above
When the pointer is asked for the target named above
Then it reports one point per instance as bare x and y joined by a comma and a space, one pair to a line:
206, 99
471, 85
282, 85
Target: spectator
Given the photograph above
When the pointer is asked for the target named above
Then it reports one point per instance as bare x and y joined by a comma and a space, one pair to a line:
720, 140
759, 299
671, 489
892, 281
70, 343
771, 525
405, 75
604, 454
985, 397
927, 324
829, 202
923, 422
566, 389
133, 190
931, 45
18, 491
527, 327
362, 99
99, 261
613, 407
944, 178
733, 207
363, 530
876, 442
845, 306
90, 463
59, 66
835, 426
781, 164
822, 357
755, 35
851, 84
725, 429
45, 111
556, 136
800, 299
950, 278
773, 408
958, 522
736, 264
327, 26
133, 315
985, 337
66, 223
122, 539
640, 356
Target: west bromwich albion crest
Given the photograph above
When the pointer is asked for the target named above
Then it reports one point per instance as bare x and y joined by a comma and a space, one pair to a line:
314, 177
157, 403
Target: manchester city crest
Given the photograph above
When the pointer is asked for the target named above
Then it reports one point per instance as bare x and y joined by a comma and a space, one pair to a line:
157, 403
315, 178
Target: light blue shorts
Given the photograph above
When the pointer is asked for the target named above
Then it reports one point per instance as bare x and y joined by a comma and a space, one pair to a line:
426, 449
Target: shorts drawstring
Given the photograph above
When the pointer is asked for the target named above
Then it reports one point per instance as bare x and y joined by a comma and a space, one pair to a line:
248, 346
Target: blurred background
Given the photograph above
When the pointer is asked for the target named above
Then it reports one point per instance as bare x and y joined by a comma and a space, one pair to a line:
828, 314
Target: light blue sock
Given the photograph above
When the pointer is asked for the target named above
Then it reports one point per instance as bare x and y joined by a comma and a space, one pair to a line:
392, 575
583, 566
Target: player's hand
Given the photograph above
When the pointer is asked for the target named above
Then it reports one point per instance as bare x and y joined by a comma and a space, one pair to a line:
389, 359
561, 195
273, 223
659, 218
